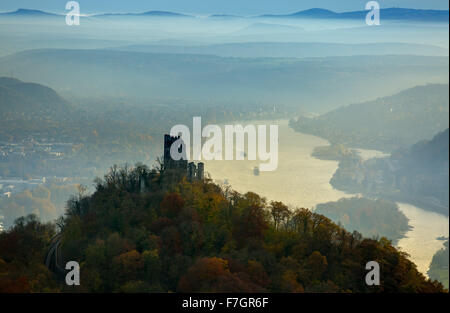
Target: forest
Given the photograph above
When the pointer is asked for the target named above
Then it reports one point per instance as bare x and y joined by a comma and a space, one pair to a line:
387, 123
148, 230
371, 218
439, 265
47, 202
417, 175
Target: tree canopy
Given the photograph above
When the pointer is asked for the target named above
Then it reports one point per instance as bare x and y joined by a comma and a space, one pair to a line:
180, 236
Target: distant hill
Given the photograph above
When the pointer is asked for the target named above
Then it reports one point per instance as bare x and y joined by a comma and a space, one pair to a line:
423, 170
432, 153
387, 123
405, 14
20, 100
29, 12
418, 175
32, 113
369, 217
191, 237
310, 13
147, 13
315, 84
388, 13
37, 13
289, 49
314, 13
162, 13
439, 266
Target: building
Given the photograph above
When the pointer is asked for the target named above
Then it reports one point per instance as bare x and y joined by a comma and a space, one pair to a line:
190, 170
169, 163
196, 172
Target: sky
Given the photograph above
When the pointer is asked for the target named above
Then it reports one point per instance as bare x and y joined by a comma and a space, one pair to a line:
244, 7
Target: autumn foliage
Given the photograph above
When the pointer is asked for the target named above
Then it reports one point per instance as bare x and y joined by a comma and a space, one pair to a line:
177, 236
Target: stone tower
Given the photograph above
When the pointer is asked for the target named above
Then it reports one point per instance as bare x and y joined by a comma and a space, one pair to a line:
191, 170
169, 163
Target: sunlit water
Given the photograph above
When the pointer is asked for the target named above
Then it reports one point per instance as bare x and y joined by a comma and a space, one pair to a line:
304, 181
300, 180
421, 241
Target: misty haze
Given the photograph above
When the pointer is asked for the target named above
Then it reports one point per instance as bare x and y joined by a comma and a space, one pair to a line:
363, 151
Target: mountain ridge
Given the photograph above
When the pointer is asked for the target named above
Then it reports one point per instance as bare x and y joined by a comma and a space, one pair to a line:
408, 14
153, 73
418, 175
387, 13
399, 121
290, 49
30, 12
20, 99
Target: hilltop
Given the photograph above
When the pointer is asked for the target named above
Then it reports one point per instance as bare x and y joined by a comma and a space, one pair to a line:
144, 232
387, 13
21, 100
417, 175
34, 117
29, 12
403, 14
387, 123
312, 84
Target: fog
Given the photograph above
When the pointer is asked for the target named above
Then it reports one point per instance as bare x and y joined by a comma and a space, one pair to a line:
235, 60
74, 100
23, 33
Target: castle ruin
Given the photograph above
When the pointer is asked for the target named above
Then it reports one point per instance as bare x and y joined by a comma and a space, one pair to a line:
192, 171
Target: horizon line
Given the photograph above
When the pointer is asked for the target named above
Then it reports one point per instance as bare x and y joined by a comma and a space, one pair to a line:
213, 14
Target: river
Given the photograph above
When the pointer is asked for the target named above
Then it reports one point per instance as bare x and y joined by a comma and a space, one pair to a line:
421, 241
304, 181
300, 180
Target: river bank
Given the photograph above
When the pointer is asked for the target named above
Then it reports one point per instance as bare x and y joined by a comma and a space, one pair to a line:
304, 181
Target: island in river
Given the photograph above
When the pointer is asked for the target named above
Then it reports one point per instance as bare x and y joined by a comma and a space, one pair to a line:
304, 181
371, 218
